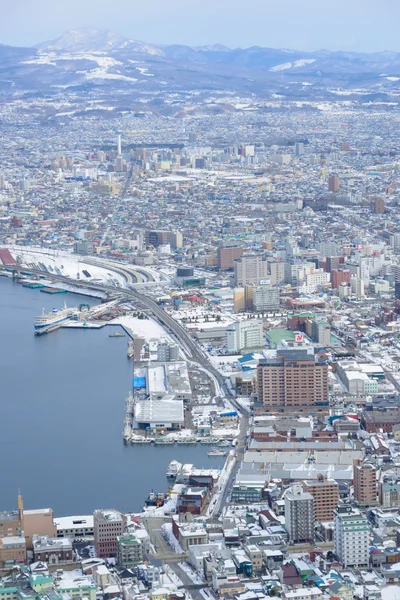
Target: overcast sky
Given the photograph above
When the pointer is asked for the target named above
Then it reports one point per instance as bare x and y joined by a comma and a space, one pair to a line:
364, 25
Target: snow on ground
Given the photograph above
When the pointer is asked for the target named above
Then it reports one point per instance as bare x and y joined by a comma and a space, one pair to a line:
144, 328
391, 592
281, 67
63, 263
190, 572
171, 539
304, 61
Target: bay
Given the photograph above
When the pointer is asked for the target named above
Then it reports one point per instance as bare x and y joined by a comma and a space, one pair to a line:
61, 415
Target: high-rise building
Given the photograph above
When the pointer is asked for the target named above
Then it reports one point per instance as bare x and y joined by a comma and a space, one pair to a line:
263, 297
250, 269
351, 537
107, 526
293, 376
326, 497
379, 205
24, 184
276, 272
227, 254
357, 287
364, 483
244, 335
333, 183
299, 148
299, 516
119, 145
339, 276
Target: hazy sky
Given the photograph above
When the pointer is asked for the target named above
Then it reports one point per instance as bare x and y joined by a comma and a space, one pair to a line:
366, 25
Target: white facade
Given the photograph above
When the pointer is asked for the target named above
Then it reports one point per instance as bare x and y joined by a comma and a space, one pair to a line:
351, 537
244, 334
299, 515
250, 270
313, 280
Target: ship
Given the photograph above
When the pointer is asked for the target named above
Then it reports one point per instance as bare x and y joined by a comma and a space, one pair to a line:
217, 452
154, 499
173, 469
53, 318
130, 351
117, 334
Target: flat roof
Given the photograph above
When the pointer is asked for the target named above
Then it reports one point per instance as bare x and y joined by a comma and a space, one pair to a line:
74, 522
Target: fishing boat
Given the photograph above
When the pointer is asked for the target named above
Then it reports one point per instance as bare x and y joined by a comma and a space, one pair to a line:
173, 469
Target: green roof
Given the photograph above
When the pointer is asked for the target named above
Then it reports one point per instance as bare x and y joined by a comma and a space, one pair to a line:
276, 336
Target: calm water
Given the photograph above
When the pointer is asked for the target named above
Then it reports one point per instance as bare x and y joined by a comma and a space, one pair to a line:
62, 406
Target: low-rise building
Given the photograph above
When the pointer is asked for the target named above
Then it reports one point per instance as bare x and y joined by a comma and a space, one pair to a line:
52, 550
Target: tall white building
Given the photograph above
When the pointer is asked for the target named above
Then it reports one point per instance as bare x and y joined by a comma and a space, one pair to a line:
119, 145
251, 269
299, 515
351, 537
244, 334
357, 287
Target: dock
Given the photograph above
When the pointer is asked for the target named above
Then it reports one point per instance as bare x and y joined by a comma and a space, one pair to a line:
129, 414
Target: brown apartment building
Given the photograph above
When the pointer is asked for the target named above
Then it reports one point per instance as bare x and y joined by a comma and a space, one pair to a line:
326, 498
364, 483
293, 376
108, 525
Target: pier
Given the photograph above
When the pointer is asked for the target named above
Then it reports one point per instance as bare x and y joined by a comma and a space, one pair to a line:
129, 413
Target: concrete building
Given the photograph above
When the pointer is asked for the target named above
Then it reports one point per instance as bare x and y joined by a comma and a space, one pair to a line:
389, 492
74, 527
39, 522
364, 483
339, 277
294, 376
243, 335
351, 536
12, 551
129, 551
379, 205
167, 351
276, 272
333, 183
108, 525
227, 254
52, 550
299, 515
262, 298
326, 497
251, 269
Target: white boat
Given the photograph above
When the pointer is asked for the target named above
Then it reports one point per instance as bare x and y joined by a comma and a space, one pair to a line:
53, 318
224, 443
173, 468
217, 452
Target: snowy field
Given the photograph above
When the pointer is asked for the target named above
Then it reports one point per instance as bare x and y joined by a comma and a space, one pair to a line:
63, 263
147, 329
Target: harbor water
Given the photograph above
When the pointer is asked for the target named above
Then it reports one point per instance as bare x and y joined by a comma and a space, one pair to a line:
62, 400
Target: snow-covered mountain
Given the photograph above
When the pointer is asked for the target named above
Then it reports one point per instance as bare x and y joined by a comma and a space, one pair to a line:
90, 58
96, 40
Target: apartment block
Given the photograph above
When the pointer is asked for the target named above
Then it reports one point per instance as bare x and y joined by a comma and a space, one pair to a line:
364, 483
108, 525
294, 376
326, 497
